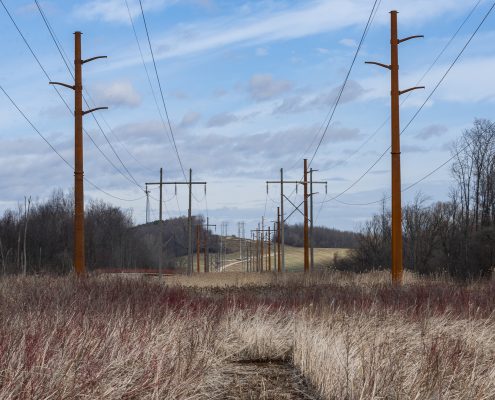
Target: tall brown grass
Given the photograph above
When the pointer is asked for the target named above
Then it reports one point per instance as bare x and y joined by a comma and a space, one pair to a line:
351, 336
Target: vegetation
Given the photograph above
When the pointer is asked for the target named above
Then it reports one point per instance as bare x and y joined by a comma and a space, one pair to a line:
37, 237
351, 336
322, 237
455, 237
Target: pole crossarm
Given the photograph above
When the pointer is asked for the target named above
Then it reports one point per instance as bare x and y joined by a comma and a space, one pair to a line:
379, 64
401, 92
92, 59
94, 109
176, 183
63, 84
279, 182
409, 38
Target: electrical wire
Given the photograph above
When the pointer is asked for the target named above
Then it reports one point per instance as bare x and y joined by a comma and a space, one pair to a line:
161, 90
428, 70
341, 92
59, 48
55, 88
422, 105
57, 152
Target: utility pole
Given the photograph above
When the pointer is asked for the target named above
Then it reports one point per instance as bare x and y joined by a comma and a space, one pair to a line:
79, 256
282, 216
311, 222
160, 221
306, 217
304, 213
275, 246
282, 196
262, 242
278, 240
189, 213
395, 93
198, 247
269, 253
312, 255
207, 246
147, 205
260, 255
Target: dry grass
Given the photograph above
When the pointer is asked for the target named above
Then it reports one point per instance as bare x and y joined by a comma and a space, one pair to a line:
351, 337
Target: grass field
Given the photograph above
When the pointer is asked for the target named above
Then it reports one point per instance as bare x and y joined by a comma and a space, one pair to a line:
246, 336
294, 258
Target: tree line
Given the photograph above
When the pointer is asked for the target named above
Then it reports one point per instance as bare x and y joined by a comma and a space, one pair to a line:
457, 236
322, 237
38, 237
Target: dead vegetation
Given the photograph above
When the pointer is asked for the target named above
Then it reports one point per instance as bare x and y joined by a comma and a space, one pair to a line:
334, 336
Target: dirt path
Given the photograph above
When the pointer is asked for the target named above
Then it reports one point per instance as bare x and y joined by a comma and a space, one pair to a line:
267, 380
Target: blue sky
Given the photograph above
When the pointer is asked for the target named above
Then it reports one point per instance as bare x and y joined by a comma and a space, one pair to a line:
247, 85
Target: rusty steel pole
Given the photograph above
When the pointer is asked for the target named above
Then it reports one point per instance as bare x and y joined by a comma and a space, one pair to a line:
198, 248
189, 228
79, 248
278, 241
262, 242
79, 256
396, 173
306, 229
274, 246
269, 251
395, 92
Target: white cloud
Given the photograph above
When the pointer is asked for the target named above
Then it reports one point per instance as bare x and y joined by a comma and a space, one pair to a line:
348, 42
264, 87
116, 10
261, 51
222, 120
189, 119
431, 131
311, 18
118, 94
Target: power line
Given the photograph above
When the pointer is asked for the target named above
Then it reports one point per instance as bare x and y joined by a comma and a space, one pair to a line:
428, 70
333, 109
59, 48
422, 106
56, 90
56, 151
339, 97
146, 68
161, 91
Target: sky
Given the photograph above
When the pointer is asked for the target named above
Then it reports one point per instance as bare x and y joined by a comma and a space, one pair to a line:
248, 86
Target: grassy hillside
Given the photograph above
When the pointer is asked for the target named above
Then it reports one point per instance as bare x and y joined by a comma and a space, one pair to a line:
294, 257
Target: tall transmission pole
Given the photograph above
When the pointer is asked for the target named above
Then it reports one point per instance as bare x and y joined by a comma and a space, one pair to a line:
282, 235
161, 195
395, 93
311, 222
190, 183
207, 246
279, 266
147, 205
306, 218
79, 256
198, 247
269, 253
